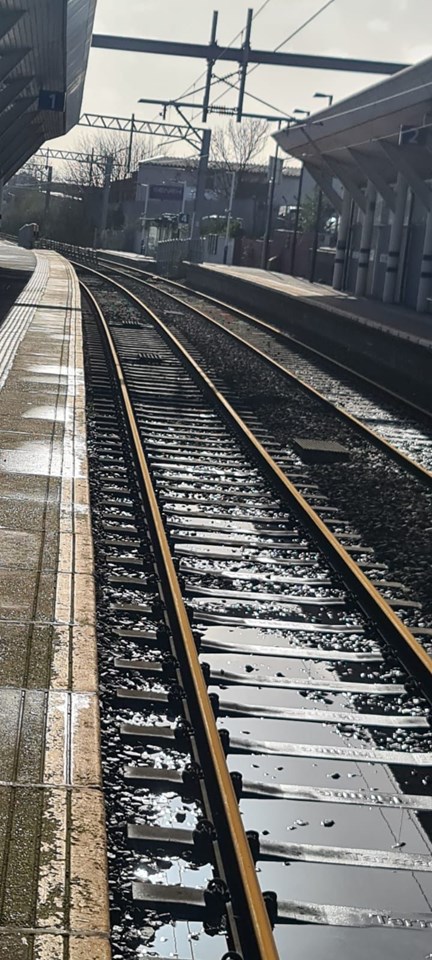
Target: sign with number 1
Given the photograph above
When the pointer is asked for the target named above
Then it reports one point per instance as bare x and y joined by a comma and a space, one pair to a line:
52, 100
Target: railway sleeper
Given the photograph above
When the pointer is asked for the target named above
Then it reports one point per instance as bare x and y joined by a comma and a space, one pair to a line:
198, 844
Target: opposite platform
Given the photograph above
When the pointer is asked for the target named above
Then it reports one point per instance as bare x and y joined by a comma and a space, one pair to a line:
53, 874
390, 344
392, 318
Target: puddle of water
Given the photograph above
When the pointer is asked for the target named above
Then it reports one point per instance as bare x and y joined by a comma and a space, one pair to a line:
307, 941
54, 369
35, 457
46, 412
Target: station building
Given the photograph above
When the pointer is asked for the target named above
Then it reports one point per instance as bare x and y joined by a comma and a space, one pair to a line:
371, 154
158, 180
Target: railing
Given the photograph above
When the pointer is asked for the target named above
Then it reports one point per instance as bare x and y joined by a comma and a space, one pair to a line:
69, 250
170, 256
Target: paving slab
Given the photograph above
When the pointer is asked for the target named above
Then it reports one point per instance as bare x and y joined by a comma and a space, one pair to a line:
394, 318
388, 344
53, 864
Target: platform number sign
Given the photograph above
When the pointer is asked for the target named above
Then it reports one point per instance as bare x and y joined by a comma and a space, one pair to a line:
52, 100
412, 135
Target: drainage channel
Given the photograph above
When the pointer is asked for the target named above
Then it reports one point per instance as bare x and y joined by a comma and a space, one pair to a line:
325, 731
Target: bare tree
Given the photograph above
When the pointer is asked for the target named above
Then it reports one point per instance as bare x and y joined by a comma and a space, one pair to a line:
99, 145
236, 146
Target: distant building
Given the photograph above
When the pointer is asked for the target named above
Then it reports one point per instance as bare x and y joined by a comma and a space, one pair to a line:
167, 187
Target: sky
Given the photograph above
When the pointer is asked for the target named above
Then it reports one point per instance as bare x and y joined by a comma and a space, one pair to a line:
394, 30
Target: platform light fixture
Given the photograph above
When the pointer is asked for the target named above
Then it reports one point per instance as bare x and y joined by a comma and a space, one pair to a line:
325, 96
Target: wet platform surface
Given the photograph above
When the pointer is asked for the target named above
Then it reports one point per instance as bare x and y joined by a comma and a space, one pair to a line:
395, 319
53, 887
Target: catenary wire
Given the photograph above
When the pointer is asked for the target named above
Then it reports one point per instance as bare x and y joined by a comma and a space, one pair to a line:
276, 49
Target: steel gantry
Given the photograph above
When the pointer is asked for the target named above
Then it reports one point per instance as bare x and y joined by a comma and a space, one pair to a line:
152, 128
196, 137
244, 55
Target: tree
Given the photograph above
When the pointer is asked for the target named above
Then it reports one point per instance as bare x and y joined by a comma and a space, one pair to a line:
309, 210
109, 143
68, 219
235, 147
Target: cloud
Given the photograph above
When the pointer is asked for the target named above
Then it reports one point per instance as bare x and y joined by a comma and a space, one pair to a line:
378, 26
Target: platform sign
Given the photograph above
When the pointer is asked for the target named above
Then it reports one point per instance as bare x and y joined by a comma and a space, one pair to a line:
412, 135
166, 191
183, 218
52, 100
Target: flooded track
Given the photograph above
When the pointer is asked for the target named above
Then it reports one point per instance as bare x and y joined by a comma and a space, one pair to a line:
379, 488
318, 689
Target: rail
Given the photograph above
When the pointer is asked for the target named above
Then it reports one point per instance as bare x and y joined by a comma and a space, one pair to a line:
390, 626
405, 461
411, 651
260, 937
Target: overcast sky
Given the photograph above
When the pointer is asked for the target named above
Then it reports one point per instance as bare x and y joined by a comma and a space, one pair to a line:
397, 30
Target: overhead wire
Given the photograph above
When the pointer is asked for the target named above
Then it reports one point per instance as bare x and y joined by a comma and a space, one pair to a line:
191, 87
287, 39
224, 50
232, 85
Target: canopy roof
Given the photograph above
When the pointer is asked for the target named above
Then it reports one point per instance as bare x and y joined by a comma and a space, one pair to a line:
44, 47
360, 135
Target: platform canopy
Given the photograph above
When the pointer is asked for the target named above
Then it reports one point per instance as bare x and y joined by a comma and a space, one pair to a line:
384, 130
44, 48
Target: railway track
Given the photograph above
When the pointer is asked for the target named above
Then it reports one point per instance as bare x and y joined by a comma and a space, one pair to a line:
381, 490
401, 428
262, 701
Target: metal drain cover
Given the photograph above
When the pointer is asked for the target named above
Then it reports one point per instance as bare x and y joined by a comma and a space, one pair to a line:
320, 451
150, 358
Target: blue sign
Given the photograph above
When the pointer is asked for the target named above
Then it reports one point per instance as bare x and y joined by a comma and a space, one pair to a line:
183, 218
412, 135
166, 191
52, 100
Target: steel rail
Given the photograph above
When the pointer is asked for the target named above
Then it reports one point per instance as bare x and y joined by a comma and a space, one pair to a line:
283, 336
393, 630
252, 896
420, 472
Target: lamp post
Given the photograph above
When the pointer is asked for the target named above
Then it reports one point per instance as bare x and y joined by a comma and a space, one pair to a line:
325, 96
329, 97
109, 161
143, 242
229, 215
270, 201
49, 170
305, 113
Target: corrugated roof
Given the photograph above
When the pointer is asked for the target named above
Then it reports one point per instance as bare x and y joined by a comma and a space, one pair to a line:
190, 163
348, 136
44, 46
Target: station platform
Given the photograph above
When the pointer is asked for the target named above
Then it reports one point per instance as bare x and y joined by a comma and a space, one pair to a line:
129, 259
395, 319
53, 871
15, 262
390, 342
